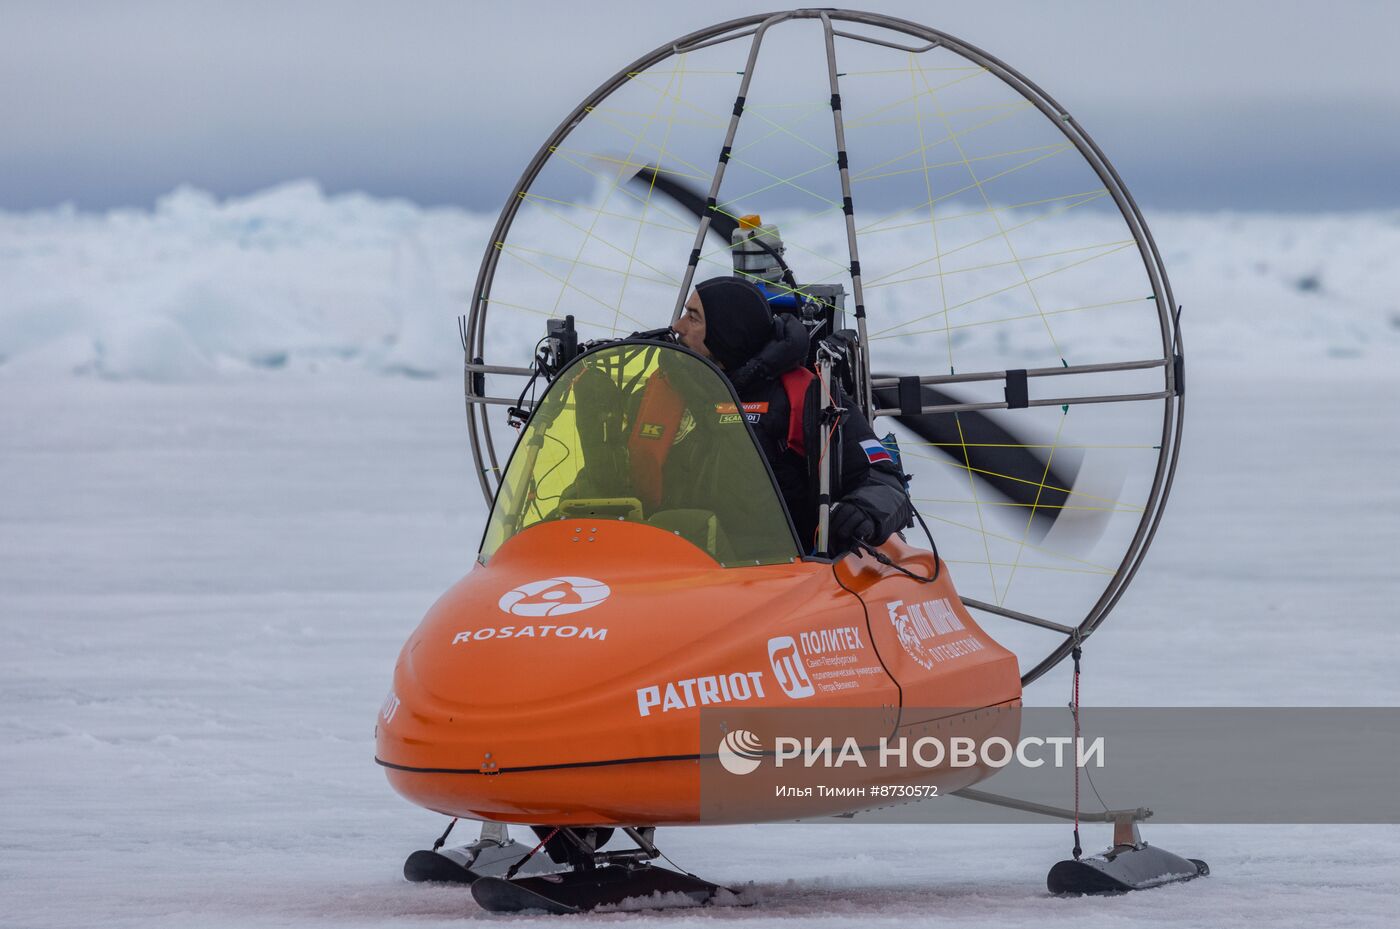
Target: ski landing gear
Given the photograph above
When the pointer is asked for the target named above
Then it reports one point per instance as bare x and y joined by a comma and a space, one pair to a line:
594, 879
1131, 864
492, 853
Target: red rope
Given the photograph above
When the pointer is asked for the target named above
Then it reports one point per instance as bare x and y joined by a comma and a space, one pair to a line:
515, 868
1074, 707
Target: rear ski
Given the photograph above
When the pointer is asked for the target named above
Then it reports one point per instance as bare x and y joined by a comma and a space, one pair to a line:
610, 886
594, 879
1131, 864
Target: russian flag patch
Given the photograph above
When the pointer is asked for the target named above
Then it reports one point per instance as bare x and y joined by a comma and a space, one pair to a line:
874, 451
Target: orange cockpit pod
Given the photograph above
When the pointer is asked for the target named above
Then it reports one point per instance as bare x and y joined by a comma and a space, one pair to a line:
638, 566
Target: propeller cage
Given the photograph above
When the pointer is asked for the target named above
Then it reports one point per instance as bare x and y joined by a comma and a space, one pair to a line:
824, 305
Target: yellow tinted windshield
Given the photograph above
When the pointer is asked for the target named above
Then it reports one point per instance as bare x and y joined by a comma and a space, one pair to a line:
650, 434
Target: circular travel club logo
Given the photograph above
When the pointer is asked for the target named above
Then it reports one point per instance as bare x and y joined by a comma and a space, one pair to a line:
740, 752
554, 596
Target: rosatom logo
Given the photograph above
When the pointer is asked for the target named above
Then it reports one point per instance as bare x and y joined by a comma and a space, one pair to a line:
788, 667
740, 752
554, 596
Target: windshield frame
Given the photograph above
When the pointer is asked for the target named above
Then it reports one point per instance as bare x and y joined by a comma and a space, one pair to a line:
800, 553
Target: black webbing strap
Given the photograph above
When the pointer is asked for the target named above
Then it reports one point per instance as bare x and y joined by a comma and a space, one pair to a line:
1017, 391
479, 378
911, 401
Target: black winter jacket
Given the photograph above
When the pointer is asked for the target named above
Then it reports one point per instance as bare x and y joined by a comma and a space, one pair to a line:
877, 488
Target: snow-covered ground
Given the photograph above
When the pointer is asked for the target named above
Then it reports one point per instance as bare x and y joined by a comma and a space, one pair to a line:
223, 510
203, 588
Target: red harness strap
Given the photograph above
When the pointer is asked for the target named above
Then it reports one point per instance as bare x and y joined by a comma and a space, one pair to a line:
659, 416
795, 384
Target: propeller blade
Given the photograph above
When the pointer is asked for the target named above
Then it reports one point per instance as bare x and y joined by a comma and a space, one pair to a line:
995, 456
1017, 474
721, 224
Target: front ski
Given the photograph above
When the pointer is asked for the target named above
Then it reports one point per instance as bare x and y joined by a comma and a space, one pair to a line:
429, 867
625, 887
493, 854
1121, 869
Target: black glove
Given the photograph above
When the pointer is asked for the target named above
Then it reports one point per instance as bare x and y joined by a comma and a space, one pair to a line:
847, 523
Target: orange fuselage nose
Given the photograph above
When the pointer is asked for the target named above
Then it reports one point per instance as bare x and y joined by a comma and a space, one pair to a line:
575, 697
579, 677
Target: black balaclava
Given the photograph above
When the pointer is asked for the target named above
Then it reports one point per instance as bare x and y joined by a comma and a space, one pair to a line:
738, 320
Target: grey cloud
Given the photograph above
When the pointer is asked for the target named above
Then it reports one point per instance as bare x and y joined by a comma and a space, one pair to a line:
1240, 105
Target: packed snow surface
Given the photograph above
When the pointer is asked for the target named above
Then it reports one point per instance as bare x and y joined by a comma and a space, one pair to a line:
204, 583
203, 589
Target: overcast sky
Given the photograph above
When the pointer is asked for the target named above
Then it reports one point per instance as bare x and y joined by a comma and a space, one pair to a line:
1278, 105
